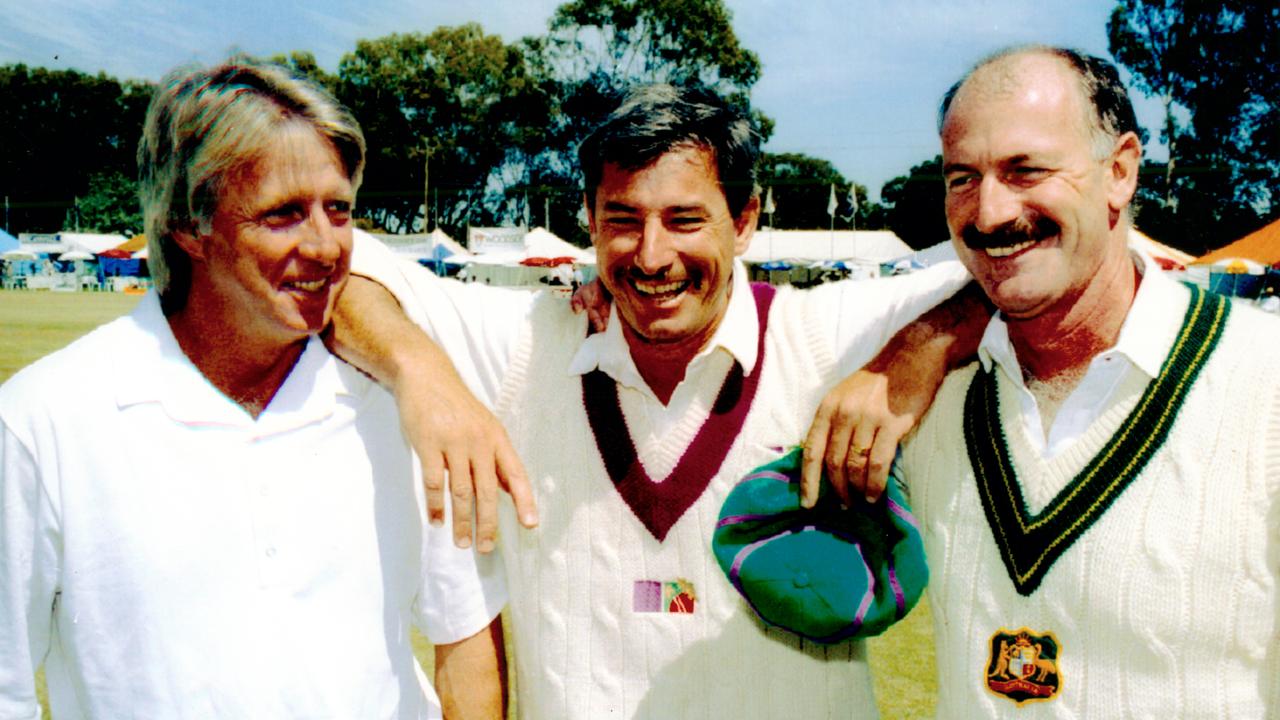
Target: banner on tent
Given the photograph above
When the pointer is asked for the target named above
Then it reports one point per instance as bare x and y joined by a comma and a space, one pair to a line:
495, 239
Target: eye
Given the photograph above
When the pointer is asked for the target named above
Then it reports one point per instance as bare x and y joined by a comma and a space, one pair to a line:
621, 221
687, 222
961, 181
339, 210
1028, 174
283, 215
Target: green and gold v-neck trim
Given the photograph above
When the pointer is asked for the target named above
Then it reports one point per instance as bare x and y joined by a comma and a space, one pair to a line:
1030, 544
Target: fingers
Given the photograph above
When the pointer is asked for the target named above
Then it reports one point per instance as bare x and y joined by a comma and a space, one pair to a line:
433, 486
512, 476
838, 452
862, 438
598, 317
815, 446
461, 492
485, 479
880, 459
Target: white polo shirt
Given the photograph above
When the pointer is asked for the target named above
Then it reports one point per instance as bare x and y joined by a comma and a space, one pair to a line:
168, 556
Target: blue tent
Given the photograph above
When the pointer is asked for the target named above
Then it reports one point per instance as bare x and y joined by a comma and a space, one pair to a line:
8, 242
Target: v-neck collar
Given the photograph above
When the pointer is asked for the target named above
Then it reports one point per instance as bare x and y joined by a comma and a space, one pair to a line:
659, 504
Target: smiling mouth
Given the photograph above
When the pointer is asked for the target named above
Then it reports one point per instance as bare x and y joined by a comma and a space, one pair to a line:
310, 286
1012, 237
1006, 251
658, 289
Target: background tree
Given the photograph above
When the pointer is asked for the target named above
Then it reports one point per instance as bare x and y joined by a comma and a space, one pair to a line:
453, 103
597, 49
801, 188
109, 205
59, 128
1216, 69
913, 205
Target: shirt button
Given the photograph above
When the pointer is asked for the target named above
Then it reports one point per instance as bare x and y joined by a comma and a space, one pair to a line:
271, 552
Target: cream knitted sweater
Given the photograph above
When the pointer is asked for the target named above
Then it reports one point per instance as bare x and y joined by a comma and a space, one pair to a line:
591, 591
1166, 607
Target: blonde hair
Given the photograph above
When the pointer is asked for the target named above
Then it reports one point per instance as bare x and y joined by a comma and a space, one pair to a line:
204, 123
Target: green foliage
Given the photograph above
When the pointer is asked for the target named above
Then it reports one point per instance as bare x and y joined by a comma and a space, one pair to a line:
479, 131
801, 190
58, 129
675, 41
452, 104
1216, 69
914, 205
303, 64
596, 50
110, 205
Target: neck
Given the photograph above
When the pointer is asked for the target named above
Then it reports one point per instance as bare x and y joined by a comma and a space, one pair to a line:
662, 364
1057, 345
243, 367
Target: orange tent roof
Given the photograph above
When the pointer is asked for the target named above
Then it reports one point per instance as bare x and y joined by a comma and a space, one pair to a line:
133, 244
1261, 246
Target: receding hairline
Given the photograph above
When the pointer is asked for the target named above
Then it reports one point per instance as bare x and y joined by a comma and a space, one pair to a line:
1006, 74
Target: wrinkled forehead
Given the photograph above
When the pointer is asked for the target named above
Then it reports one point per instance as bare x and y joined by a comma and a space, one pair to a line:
1029, 93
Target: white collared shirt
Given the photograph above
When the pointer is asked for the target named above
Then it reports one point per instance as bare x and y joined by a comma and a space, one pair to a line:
166, 555
1137, 350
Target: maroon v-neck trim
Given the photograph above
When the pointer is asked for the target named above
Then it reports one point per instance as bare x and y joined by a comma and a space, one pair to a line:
660, 504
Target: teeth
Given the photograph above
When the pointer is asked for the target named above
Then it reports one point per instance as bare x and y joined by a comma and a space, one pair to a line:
999, 252
308, 285
657, 289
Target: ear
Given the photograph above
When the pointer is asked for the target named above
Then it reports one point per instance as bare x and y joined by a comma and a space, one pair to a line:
1125, 161
591, 218
190, 240
744, 226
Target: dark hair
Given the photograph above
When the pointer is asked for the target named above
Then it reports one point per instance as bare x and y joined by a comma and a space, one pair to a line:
655, 119
1100, 84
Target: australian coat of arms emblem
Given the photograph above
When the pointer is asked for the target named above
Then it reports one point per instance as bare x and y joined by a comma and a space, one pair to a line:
1023, 665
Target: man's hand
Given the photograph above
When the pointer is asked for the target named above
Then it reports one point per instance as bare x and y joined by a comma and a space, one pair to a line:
451, 430
595, 299
446, 425
859, 424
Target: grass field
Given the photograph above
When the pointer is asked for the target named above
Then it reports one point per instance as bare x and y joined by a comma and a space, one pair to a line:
33, 324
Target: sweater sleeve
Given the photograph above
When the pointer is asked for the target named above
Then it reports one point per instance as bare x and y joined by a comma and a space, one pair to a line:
862, 315
477, 325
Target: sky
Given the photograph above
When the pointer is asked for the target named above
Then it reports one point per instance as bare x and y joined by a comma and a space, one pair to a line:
855, 82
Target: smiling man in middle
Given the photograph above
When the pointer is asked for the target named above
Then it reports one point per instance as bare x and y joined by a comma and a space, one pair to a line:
633, 436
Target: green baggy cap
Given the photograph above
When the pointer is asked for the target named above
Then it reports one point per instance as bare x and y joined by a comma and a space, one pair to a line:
828, 573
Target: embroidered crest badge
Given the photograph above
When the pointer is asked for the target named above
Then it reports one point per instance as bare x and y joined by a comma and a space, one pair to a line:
652, 596
1022, 666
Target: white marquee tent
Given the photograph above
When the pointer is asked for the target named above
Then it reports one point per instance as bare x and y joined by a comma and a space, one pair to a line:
816, 246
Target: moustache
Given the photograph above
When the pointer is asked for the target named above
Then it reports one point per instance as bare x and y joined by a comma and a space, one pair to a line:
692, 276
1036, 228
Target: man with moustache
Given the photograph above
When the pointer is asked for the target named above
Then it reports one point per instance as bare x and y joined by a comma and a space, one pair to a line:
632, 437
1099, 491
218, 518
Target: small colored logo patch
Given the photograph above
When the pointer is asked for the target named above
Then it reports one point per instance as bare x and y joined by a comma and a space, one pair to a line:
1022, 665
652, 596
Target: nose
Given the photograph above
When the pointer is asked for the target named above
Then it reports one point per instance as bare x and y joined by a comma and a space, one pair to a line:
321, 239
655, 252
998, 204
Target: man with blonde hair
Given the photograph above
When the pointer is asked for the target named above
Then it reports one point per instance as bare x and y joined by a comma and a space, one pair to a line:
224, 522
